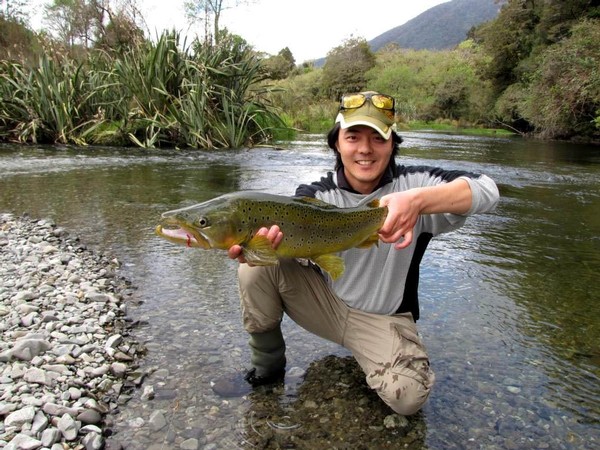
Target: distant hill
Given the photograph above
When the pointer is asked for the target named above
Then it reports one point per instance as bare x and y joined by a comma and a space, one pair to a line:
441, 27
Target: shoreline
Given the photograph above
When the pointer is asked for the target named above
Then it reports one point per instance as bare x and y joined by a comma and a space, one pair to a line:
66, 354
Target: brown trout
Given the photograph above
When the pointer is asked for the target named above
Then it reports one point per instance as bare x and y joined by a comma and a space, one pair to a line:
312, 229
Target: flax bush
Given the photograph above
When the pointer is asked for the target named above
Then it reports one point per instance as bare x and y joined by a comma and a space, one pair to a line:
166, 94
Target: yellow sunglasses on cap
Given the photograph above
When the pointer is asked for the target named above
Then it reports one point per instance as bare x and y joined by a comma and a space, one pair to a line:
381, 101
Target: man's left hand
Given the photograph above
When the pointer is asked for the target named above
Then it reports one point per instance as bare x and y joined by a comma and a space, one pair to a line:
403, 212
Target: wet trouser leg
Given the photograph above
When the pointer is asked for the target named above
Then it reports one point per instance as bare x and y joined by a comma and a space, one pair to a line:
268, 352
386, 347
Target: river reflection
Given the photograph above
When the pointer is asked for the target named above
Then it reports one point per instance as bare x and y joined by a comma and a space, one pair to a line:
510, 303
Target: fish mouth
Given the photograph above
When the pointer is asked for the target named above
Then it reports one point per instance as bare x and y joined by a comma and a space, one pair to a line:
181, 234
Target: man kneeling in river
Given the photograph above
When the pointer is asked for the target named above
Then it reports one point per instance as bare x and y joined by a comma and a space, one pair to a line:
372, 308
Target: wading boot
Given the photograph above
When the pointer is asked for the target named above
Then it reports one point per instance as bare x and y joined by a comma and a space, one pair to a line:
267, 358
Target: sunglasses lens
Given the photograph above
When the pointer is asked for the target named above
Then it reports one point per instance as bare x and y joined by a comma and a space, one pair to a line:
353, 101
383, 101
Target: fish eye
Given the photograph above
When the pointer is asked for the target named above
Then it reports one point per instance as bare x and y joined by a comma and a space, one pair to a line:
203, 222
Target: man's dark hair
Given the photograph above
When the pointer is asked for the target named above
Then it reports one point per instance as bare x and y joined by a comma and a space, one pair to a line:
332, 138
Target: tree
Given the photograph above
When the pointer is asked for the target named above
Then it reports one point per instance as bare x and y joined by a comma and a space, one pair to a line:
508, 40
208, 11
91, 23
17, 41
120, 33
14, 10
558, 16
430, 85
563, 98
280, 66
537, 82
287, 55
72, 21
346, 67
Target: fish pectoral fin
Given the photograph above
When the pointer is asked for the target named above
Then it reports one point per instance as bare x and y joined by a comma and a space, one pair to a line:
371, 240
332, 264
373, 203
259, 252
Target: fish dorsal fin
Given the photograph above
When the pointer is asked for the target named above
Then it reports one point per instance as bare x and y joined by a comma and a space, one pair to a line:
373, 203
314, 202
259, 251
332, 264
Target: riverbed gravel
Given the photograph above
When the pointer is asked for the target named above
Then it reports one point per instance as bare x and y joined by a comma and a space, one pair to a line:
69, 363
67, 359
74, 375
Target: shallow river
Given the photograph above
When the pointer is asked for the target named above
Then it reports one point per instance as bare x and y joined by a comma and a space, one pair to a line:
510, 304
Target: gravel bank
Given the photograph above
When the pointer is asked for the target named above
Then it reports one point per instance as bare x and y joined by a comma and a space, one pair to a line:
66, 357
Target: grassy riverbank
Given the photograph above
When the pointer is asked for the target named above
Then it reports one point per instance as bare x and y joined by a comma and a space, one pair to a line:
162, 94
455, 128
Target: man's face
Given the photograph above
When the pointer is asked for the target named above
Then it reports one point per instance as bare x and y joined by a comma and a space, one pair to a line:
365, 156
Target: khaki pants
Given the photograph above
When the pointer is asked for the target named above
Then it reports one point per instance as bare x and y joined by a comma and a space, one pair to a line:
386, 347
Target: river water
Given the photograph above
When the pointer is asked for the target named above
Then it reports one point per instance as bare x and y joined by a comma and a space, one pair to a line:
510, 305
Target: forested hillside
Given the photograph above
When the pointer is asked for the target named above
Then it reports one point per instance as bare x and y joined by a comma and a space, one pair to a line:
441, 27
534, 69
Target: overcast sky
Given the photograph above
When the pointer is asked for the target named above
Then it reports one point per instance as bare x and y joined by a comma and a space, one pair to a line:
309, 28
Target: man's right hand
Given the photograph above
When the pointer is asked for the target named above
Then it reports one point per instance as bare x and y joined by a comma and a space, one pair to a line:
274, 234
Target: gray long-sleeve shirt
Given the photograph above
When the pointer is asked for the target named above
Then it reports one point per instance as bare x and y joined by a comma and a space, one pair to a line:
381, 279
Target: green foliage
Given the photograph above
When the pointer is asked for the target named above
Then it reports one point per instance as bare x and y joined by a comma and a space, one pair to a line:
279, 66
429, 85
49, 103
563, 96
510, 103
302, 99
17, 42
14, 11
508, 40
120, 34
534, 68
556, 18
544, 65
154, 95
402, 74
93, 24
346, 67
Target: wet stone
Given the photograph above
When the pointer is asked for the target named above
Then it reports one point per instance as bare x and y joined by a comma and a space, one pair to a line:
53, 368
231, 385
396, 422
68, 427
157, 420
189, 444
93, 441
89, 416
24, 442
20, 417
